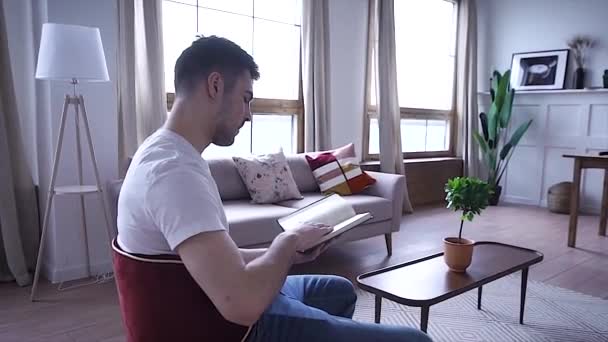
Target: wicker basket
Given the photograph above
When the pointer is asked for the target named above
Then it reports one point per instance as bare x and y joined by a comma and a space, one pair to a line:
558, 198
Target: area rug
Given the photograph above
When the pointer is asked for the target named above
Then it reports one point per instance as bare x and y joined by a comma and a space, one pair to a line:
552, 314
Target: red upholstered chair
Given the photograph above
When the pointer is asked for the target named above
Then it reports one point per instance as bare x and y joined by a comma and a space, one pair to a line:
160, 301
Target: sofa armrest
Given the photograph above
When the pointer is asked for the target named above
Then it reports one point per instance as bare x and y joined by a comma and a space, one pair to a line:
391, 187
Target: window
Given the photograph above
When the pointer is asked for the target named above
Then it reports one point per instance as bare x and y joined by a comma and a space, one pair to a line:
425, 38
269, 30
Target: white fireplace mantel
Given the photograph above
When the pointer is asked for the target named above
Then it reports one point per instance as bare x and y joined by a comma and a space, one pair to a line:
565, 121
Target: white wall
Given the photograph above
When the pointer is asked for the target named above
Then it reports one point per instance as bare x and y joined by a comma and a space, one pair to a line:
348, 39
564, 122
507, 27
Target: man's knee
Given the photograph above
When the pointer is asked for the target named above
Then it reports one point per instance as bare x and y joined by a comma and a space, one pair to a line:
343, 287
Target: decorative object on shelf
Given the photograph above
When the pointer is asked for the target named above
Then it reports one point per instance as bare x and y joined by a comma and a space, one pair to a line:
558, 197
494, 126
539, 70
605, 77
579, 46
469, 195
72, 54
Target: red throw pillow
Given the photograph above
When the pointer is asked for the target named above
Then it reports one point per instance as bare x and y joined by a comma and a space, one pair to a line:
337, 171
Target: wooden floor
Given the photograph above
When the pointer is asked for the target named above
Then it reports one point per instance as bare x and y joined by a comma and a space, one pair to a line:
91, 313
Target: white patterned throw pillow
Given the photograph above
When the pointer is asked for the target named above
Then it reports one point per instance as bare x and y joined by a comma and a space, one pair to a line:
267, 177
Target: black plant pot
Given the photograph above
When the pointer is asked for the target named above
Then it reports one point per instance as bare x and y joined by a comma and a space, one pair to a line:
579, 78
495, 196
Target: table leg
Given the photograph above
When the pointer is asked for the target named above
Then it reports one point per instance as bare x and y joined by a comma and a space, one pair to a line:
524, 286
377, 309
574, 201
479, 289
424, 318
604, 212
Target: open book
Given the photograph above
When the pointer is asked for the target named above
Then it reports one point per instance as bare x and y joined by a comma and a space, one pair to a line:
332, 210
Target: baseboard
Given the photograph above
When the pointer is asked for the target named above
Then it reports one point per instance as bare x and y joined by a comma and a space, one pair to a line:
519, 200
57, 275
590, 210
585, 209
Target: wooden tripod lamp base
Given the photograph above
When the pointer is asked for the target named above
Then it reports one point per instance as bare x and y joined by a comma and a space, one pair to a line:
80, 189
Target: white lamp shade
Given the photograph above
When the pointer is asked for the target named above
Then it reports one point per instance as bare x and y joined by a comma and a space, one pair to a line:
70, 52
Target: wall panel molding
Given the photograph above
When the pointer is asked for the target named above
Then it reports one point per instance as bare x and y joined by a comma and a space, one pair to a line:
564, 122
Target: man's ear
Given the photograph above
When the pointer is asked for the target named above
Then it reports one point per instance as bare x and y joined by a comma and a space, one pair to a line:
215, 84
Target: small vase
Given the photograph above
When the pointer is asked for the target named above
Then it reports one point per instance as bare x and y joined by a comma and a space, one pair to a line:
606, 79
579, 78
495, 196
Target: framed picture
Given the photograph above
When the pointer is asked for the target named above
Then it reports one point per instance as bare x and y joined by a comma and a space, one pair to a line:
539, 70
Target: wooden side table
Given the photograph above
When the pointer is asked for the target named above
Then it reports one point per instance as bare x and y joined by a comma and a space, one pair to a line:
581, 162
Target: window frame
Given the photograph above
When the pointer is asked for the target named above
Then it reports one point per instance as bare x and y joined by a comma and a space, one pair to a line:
414, 113
266, 106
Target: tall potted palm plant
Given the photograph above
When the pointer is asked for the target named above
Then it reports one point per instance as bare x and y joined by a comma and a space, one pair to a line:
496, 147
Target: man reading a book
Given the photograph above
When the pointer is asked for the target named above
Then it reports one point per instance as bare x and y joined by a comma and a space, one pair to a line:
169, 204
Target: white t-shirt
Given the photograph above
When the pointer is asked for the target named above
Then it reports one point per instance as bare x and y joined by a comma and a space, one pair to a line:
168, 195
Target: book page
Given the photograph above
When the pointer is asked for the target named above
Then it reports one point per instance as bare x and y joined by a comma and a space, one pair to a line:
331, 211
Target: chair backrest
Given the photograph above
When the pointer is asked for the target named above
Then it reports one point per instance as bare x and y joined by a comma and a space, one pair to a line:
160, 301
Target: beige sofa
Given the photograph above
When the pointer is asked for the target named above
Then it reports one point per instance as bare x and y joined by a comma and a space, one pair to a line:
255, 225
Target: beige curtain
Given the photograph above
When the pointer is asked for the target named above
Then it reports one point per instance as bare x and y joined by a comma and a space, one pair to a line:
466, 87
382, 41
142, 101
315, 74
19, 224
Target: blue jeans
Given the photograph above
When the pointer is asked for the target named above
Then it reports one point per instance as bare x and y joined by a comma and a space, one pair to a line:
319, 308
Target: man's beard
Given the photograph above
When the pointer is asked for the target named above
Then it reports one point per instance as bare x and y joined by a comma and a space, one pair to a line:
223, 135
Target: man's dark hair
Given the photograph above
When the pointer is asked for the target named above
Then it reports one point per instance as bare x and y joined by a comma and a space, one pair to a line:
209, 54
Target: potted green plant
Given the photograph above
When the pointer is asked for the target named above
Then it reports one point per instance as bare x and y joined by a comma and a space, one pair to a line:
469, 195
496, 148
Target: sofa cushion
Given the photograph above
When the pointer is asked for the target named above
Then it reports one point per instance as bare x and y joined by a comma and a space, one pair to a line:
301, 173
380, 208
252, 224
267, 177
227, 178
337, 171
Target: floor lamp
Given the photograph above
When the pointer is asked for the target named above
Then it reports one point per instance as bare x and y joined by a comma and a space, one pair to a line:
73, 54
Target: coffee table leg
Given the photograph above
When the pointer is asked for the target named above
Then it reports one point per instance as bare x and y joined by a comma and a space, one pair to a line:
377, 309
524, 285
424, 318
479, 289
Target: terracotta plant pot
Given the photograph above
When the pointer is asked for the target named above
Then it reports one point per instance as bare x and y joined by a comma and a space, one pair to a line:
458, 253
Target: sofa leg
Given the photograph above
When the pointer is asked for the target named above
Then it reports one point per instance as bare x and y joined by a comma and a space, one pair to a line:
389, 243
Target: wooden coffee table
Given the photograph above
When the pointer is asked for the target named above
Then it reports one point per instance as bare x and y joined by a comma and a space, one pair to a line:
427, 281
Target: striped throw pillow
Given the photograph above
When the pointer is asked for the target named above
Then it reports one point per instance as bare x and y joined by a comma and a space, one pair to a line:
337, 171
